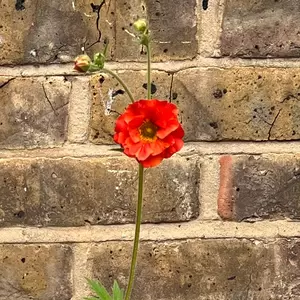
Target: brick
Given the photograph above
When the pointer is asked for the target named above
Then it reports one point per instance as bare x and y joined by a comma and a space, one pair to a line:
173, 27
192, 269
102, 122
259, 187
35, 272
73, 192
34, 111
48, 31
238, 103
255, 28
288, 251
215, 104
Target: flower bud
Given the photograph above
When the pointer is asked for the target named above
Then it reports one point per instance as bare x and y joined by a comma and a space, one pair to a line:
82, 63
99, 60
140, 25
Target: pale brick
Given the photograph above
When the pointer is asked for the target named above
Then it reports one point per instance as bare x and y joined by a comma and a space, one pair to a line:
259, 187
35, 272
192, 269
238, 103
34, 111
73, 192
50, 31
261, 28
173, 28
214, 104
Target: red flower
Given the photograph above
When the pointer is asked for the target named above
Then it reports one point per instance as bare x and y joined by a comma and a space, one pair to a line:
149, 131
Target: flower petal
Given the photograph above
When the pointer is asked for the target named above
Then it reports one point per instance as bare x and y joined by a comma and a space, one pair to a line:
170, 127
133, 148
152, 161
144, 152
136, 121
158, 147
120, 137
174, 148
120, 124
135, 135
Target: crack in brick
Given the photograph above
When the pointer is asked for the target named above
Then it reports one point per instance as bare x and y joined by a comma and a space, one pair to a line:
48, 99
97, 9
272, 124
62, 106
6, 82
289, 97
116, 112
248, 288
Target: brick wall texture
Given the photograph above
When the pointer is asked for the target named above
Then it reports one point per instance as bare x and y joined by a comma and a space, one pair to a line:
220, 218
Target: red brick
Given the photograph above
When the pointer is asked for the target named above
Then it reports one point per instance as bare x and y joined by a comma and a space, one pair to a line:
259, 187
225, 204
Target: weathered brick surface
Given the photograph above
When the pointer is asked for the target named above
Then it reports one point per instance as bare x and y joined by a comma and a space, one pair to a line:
238, 103
34, 111
259, 187
289, 266
193, 269
50, 31
71, 192
255, 28
173, 28
215, 104
35, 272
46, 31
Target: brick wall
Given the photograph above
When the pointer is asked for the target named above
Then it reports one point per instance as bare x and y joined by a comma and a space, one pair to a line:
221, 217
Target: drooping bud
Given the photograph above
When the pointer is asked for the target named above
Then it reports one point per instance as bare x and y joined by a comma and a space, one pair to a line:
140, 25
82, 63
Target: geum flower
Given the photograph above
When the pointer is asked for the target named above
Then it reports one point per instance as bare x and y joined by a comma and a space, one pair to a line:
149, 131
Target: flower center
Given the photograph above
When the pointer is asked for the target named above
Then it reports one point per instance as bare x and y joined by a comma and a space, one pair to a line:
148, 131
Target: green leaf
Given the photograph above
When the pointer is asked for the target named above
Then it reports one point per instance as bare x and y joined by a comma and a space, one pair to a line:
99, 289
117, 292
90, 298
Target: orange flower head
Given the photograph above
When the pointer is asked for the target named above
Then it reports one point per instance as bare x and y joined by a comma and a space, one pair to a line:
149, 131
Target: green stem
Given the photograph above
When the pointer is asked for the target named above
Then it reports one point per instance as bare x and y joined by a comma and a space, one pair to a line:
115, 75
149, 70
137, 232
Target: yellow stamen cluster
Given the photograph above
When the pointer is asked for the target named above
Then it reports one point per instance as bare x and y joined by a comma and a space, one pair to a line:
148, 131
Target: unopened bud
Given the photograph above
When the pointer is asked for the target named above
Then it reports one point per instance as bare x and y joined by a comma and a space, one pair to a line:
99, 60
140, 25
82, 63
